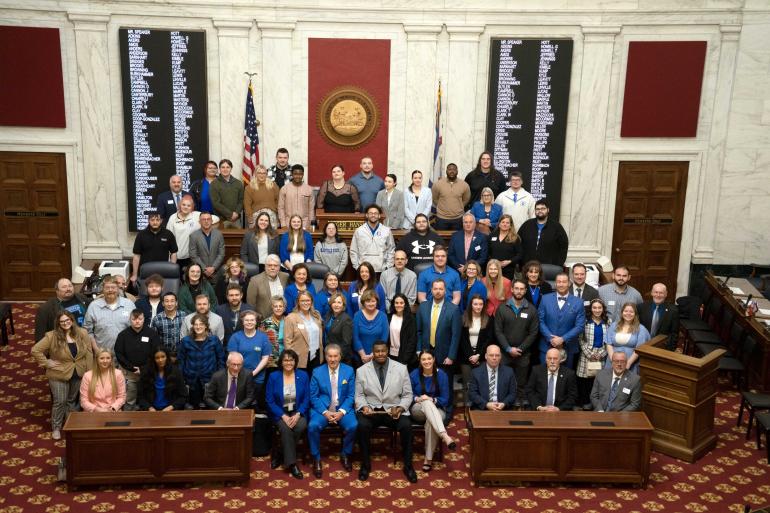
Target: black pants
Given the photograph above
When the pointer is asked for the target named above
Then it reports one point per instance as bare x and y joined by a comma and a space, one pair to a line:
448, 224
584, 390
366, 423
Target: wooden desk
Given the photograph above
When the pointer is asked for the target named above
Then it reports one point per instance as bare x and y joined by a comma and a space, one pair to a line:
158, 447
561, 446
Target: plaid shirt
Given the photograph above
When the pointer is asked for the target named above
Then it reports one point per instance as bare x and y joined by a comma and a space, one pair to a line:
169, 329
587, 348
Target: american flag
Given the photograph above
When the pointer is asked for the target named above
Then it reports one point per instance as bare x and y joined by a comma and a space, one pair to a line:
437, 161
250, 140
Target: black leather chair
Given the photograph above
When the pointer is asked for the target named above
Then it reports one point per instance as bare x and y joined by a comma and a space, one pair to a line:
168, 270
549, 273
317, 273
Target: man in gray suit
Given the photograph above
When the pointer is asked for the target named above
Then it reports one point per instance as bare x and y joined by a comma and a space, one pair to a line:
265, 285
207, 247
617, 389
231, 388
383, 398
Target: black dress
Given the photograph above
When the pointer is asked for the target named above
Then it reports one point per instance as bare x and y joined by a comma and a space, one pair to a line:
505, 251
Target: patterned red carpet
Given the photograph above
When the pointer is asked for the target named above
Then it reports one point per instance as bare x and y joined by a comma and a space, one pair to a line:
736, 473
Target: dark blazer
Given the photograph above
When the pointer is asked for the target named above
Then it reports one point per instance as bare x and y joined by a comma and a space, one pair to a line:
407, 351
249, 250
206, 256
478, 251
486, 337
340, 332
545, 288
628, 395
166, 206
589, 293
175, 391
478, 388
274, 394
566, 388
447, 330
227, 319
144, 305
552, 248
220, 287
216, 390
505, 251
668, 324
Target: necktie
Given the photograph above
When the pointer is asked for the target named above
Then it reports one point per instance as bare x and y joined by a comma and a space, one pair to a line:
562, 300
551, 389
177, 198
579, 291
655, 321
515, 195
433, 323
613, 390
493, 386
333, 406
398, 283
230, 403
381, 371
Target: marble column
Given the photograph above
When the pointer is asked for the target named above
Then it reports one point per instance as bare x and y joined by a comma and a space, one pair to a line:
460, 91
233, 39
97, 151
711, 181
421, 89
584, 221
277, 86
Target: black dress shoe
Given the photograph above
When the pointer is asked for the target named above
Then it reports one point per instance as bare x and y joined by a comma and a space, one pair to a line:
295, 472
452, 445
410, 474
317, 470
363, 474
345, 460
275, 462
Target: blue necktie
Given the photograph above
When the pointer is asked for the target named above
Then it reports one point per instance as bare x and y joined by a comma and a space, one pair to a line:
549, 400
613, 391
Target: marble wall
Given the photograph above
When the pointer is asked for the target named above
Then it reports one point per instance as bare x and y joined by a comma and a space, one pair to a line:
445, 40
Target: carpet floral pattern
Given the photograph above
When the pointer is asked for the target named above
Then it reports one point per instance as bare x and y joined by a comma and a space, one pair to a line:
734, 474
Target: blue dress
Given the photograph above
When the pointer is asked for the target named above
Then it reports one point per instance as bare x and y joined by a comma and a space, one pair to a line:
638, 338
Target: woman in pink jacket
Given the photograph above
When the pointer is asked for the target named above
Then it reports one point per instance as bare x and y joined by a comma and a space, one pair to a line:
104, 387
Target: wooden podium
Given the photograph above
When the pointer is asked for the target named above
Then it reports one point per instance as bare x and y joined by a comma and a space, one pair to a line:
678, 396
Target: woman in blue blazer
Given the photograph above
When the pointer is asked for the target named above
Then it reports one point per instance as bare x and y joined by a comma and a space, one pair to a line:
472, 284
367, 280
486, 211
296, 245
288, 399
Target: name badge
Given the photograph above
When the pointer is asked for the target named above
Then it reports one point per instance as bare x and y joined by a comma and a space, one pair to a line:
354, 294
301, 326
170, 202
478, 248
258, 349
586, 303
125, 314
626, 390
524, 315
494, 238
610, 303
145, 339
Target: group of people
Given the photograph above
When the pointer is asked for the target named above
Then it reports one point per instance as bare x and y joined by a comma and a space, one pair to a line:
382, 351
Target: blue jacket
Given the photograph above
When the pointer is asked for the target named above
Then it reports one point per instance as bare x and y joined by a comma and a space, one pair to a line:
478, 287
442, 398
478, 251
274, 394
200, 360
447, 330
321, 389
290, 294
366, 332
494, 214
566, 322
283, 247
352, 298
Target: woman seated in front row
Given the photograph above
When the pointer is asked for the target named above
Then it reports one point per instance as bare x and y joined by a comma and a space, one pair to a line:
288, 400
103, 388
161, 385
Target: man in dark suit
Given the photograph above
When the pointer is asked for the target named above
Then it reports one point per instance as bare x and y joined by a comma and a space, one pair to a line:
659, 317
493, 386
617, 388
439, 323
580, 289
332, 403
231, 388
562, 317
230, 312
168, 201
552, 387
477, 245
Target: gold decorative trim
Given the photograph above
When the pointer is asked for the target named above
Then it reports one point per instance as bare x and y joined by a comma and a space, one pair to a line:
348, 117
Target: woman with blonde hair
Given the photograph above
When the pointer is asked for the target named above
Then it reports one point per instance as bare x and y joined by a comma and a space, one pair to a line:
104, 387
625, 335
261, 194
67, 354
296, 244
234, 273
505, 246
303, 332
498, 286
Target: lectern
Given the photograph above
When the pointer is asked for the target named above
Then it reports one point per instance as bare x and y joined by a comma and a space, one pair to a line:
678, 396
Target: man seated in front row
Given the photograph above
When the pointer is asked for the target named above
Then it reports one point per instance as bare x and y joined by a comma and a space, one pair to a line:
617, 388
231, 388
383, 398
332, 392
552, 387
493, 386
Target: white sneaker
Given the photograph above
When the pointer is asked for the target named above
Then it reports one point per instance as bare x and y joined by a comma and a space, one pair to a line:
56, 435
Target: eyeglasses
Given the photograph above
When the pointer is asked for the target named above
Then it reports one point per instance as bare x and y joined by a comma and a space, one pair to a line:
65, 321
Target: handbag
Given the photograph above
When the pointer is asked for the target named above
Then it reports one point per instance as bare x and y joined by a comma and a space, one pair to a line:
593, 368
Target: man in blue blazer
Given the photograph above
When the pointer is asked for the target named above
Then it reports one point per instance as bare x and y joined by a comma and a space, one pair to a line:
168, 201
445, 340
477, 249
500, 397
330, 406
562, 317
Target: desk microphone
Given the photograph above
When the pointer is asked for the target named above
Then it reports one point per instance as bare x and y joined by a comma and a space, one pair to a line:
724, 282
748, 301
